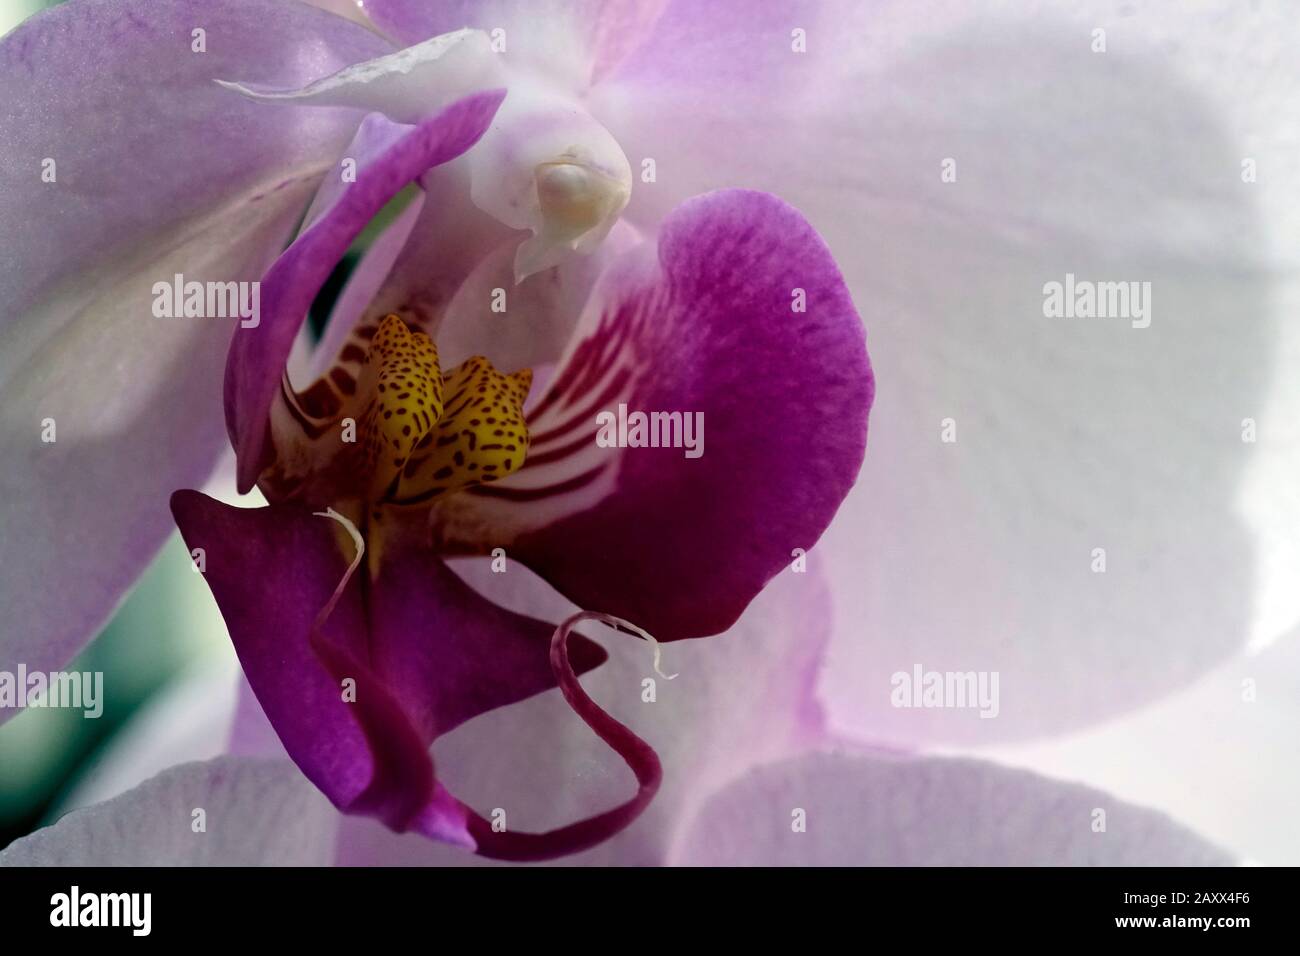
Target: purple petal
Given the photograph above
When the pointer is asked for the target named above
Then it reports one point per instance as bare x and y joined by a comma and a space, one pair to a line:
711, 327
133, 397
483, 657
258, 354
425, 652
1106, 435
882, 811
272, 570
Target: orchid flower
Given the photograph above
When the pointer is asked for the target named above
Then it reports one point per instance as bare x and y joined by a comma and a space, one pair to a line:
611, 173
361, 646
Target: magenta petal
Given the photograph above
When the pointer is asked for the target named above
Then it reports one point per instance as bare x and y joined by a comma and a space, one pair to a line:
425, 652
677, 545
450, 654
389, 157
271, 571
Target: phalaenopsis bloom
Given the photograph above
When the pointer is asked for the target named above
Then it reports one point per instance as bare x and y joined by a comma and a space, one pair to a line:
520, 283
453, 408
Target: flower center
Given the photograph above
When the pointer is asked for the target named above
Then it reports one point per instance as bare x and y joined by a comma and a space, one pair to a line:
418, 434
404, 384
417, 447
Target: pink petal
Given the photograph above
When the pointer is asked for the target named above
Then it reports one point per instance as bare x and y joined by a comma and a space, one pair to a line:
708, 324
424, 653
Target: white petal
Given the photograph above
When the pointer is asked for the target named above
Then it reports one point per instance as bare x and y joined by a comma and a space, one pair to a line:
1071, 435
406, 86
255, 813
1220, 756
891, 811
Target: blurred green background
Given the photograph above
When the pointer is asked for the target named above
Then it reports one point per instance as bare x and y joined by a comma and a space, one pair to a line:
14, 12
168, 623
